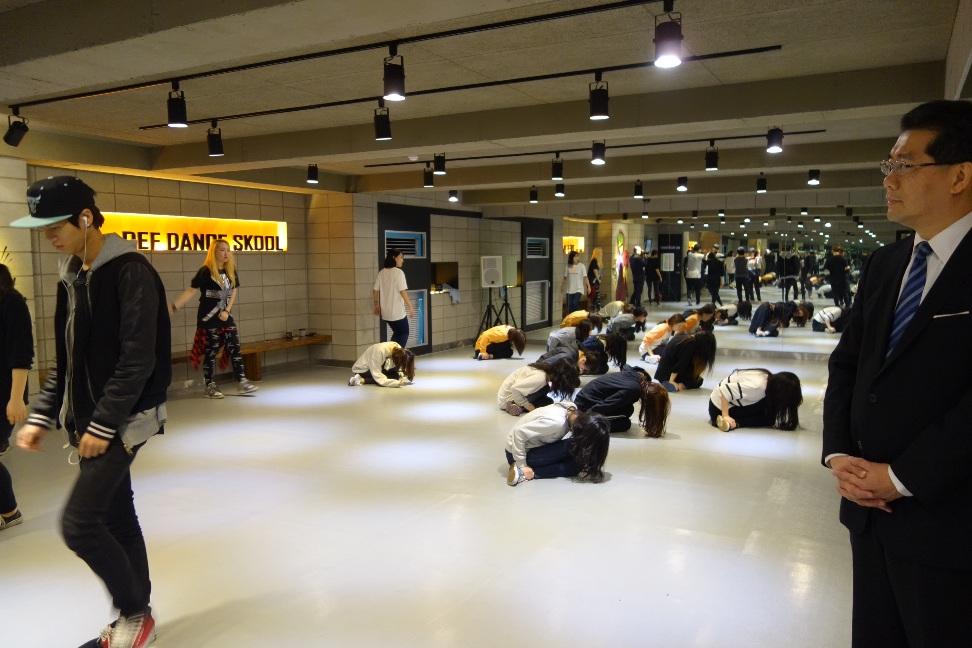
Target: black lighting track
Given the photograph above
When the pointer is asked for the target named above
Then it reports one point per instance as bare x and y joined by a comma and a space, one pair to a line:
471, 86
588, 148
461, 31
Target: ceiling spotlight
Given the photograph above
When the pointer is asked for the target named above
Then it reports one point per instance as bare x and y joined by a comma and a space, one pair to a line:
813, 177
598, 151
559, 191
438, 164
214, 140
428, 178
598, 99
680, 221
742, 225
816, 219
860, 226
722, 219
668, 38
557, 168
312, 174
394, 75
644, 207
16, 128
695, 214
712, 157
804, 211
453, 195
176, 107
639, 191
534, 199
761, 184
747, 220
765, 223
382, 123
789, 219
682, 184
774, 140
827, 224
705, 224
722, 213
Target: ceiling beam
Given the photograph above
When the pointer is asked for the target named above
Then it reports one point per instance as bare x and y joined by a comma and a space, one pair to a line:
959, 57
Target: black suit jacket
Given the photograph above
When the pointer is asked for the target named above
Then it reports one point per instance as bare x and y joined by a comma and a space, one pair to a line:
912, 409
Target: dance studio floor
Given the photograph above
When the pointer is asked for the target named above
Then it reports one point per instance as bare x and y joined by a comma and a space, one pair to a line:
316, 514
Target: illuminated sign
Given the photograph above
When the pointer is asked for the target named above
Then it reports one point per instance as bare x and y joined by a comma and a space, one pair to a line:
191, 234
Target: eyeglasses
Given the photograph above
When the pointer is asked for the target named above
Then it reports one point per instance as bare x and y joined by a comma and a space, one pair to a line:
901, 168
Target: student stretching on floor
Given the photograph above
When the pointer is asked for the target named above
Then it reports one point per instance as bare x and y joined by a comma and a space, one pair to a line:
537, 448
655, 339
830, 319
498, 342
588, 361
686, 358
766, 321
728, 315
575, 318
696, 317
570, 336
535, 385
615, 346
611, 309
627, 324
756, 398
613, 396
385, 364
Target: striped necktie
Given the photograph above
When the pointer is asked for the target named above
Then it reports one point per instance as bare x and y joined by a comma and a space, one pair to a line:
910, 297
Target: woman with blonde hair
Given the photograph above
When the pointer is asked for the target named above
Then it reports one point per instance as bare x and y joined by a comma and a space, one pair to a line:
217, 283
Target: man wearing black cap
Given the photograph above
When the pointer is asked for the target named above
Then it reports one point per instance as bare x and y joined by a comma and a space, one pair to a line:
113, 368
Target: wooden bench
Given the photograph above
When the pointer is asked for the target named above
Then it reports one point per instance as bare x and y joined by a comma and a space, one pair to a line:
252, 352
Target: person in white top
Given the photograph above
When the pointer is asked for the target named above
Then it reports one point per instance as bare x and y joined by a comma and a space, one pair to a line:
829, 319
385, 364
536, 385
557, 441
390, 297
756, 265
575, 282
756, 398
693, 274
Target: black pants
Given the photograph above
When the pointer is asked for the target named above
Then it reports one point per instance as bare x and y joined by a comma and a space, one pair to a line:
817, 326
804, 287
744, 282
619, 418
216, 338
540, 397
904, 604
654, 291
7, 500
694, 287
399, 331
100, 525
369, 378
841, 295
756, 284
497, 350
639, 283
714, 293
789, 283
550, 460
754, 415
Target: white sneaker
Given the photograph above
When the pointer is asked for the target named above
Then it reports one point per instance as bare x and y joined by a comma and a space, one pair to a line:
212, 391
514, 475
721, 423
354, 380
246, 387
13, 520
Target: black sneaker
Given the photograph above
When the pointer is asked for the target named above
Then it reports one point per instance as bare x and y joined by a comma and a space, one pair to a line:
10, 521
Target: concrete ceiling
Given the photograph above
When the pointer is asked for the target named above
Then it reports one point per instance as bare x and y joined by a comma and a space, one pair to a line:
848, 67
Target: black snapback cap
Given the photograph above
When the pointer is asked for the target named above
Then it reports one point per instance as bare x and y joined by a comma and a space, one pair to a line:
55, 199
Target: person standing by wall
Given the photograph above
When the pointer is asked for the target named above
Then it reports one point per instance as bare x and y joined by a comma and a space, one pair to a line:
17, 349
575, 282
594, 282
653, 277
113, 340
898, 446
390, 297
218, 285
744, 281
839, 271
693, 274
637, 263
714, 270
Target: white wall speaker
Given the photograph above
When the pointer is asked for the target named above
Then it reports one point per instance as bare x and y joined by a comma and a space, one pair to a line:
491, 271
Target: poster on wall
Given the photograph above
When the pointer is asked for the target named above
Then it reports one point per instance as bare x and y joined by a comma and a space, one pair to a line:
155, 233
668, 262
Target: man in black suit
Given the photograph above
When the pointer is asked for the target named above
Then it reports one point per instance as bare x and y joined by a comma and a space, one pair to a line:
637, 265
898, 408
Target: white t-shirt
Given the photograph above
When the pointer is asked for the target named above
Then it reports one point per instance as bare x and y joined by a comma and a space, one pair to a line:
693, 265
742, 387
390, 283
575, 275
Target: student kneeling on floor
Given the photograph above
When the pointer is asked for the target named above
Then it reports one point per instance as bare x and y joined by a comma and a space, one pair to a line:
557, 441
756, 398
498, 342
614, 395
385, 364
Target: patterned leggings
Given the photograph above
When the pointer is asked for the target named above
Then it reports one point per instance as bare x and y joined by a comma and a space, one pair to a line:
215, 338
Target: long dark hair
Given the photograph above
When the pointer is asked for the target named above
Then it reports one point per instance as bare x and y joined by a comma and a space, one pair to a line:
583, 330
596, 361
744, 310
390, 257
405, 362
703, 350
589, 442
655, 407
616, 348
518, 339
562, 376
596, 320
6, 281
571, 257
783, 399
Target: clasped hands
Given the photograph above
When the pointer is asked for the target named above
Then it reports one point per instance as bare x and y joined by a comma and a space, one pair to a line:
864, 482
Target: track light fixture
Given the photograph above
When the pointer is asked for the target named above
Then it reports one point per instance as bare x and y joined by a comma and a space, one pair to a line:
598, 99
816, 219
765, 223
557, 168
695, 214
860, 226
394, 75
712, 157
668, 37
774, 140
534, 197
453, 195
849, 212
827, 224
214, 140
598, 152
705, 225
560, 191
16, 128
747, 220
639, 191
813, 177
680, 221
681, 184
799, 224
644, 207
428, 178
312, 174
722, 213
804, 211
438, 164
761, 184
742, 225
382, 123
722, 219
176, 107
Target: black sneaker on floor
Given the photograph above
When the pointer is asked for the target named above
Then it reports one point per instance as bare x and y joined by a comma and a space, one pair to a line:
13, 520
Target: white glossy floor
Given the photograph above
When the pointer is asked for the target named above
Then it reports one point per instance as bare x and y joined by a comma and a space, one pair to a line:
315, 514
